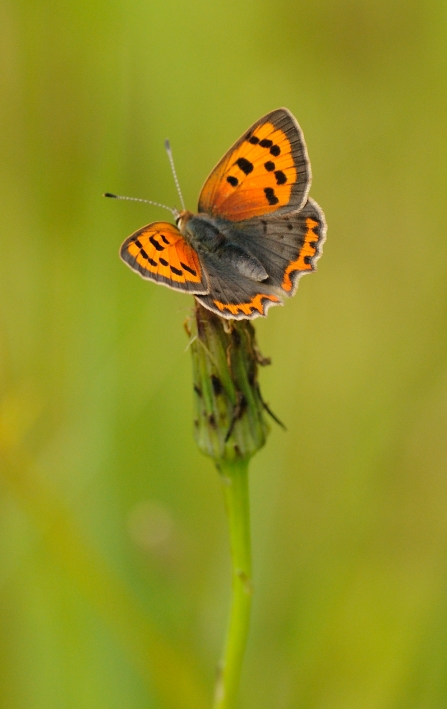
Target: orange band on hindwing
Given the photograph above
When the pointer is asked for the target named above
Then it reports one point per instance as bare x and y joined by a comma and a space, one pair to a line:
303, 262
257, 303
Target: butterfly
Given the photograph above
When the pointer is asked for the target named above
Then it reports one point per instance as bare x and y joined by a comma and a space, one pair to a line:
256, 231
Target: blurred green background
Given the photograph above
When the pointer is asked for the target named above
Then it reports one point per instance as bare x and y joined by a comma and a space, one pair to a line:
114, 570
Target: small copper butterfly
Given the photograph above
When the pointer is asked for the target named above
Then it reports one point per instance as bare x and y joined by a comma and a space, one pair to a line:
256, 232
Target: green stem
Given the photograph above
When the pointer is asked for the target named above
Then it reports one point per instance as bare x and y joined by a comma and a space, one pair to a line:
234, 477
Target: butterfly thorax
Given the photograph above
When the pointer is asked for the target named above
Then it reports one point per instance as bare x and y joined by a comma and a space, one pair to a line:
212, 238
202, 232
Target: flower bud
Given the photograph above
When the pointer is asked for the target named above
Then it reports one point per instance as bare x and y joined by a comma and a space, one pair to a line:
230, 415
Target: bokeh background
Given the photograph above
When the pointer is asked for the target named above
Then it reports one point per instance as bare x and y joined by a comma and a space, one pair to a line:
114, 569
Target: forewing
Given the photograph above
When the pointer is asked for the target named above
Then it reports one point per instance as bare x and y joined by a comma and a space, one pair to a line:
267, 170
159, 252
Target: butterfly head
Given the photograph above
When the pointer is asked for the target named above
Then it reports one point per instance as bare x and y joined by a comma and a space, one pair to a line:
181, 219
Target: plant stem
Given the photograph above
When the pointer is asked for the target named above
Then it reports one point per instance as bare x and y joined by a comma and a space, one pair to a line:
234, 477
230, 426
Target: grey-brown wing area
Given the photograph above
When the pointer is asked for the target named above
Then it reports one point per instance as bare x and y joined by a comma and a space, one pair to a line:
284, 244
232, 295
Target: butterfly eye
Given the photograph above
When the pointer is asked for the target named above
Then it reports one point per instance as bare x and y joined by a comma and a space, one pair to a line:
182, 219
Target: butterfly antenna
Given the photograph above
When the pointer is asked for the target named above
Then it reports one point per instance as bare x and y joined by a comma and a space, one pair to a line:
148, 201
171, 160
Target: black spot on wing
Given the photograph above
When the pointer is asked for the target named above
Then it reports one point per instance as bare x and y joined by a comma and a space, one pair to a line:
275, 150
269, 166
177, 271
188, 268
156, 244
245, 165
162, 236
163, 262
232, 180
271, 196
148, 258
281, 178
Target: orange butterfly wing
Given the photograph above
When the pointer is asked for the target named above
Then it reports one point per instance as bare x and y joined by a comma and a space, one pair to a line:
160, 253
267, 170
